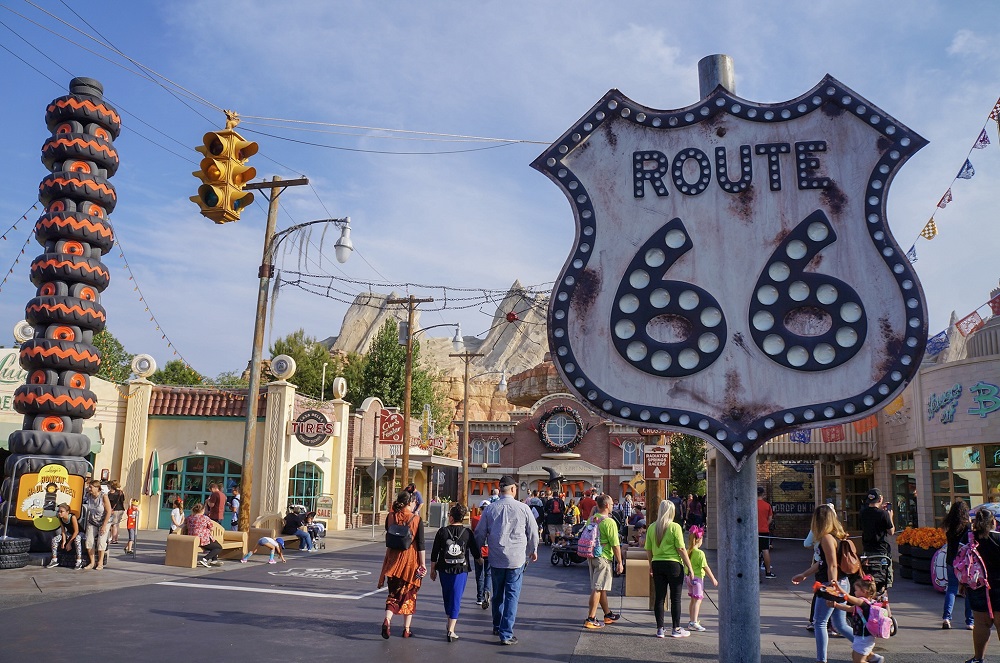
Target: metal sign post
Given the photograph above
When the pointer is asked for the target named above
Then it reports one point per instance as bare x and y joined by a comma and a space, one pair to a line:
733, 277
376, 471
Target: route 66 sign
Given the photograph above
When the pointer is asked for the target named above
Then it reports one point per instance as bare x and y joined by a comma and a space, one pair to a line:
733, 275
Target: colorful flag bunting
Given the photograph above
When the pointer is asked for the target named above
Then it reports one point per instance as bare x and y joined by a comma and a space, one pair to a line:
911, 255
982, 141
995, 113
895, 406
937, 343
969, 323
945, 199
995, 305
833, 434
865, 425
930, 230
801, 436
967, 171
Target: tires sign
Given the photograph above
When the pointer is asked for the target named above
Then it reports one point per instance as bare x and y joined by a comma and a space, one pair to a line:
733, 275
312, 428
38, 495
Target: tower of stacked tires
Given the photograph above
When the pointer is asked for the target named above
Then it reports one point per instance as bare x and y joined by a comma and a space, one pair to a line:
66, 311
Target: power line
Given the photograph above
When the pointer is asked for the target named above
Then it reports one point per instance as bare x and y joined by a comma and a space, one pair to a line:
357, 149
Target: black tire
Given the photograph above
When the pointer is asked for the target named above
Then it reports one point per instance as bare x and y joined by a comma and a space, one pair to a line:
77, 466
59, 356
894, 627
80, 146
921, 577
566, 560
15, 561
55, 399
554, 559
79, 186
54, 310
83, 110
73, 269
42, 443
14, 545
76, 225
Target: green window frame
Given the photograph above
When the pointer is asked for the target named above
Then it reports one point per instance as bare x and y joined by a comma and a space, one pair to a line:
305, 484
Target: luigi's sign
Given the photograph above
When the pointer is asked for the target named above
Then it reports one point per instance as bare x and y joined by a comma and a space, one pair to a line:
39, 494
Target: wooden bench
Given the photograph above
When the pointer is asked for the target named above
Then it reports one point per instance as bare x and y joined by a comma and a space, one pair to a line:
183, 550
271, 525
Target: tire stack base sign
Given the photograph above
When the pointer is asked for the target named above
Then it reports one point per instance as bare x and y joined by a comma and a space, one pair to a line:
48, 456
733, 275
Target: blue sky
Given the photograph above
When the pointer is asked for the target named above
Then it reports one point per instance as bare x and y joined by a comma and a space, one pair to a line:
477, 219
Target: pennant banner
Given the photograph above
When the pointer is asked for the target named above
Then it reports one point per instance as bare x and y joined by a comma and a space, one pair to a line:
865, 425
930, 230
800, 436
967, 171
911, 255
895, 406
833, 434
982, 141
995, 113
969, 323
995, 305
937, 343
945, 199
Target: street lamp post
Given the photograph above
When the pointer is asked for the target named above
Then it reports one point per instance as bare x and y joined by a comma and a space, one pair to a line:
463, 449
343, 249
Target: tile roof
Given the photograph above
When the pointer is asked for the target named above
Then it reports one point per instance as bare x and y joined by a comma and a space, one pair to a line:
202, 402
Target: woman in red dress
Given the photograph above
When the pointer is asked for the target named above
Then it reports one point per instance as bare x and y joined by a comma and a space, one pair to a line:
403, 569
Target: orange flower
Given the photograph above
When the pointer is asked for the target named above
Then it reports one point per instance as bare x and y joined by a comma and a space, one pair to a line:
922, 537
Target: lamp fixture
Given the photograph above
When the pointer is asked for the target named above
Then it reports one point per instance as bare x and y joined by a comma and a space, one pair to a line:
197, 448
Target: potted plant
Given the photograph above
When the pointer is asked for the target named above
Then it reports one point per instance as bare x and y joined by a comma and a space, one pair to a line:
917, 546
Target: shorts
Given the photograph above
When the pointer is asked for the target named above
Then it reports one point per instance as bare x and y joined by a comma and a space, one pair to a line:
763, 541
977, 599
131, 535
863, 644
116, 517
696, 587
600, 574
94, 534
555, 531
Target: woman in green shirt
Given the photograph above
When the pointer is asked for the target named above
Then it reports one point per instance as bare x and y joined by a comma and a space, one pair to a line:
665, 546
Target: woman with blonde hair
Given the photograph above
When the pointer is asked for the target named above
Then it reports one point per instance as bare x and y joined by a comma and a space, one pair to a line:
665, 547
828, 533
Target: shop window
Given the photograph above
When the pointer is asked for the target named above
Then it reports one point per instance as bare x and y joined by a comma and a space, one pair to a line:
631, 453
305, 484
904, 488
969, 473
189, 478
478, 453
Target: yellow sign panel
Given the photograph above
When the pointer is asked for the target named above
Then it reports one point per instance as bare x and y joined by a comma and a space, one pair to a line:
638, 484
38, 495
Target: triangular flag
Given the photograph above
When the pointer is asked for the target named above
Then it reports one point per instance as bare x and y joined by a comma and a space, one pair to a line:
911, 255
969, 323
800, 436
865, 425
995, 305
937, 343
945, 199
995, 113
982, 141
930, 230
895, 406
833, 434
967, 171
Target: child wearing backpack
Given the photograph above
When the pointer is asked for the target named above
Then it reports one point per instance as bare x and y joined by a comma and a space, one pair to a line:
696, 581
862, 611
976, 566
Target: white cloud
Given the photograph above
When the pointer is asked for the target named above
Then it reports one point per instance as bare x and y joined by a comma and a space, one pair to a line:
967, 43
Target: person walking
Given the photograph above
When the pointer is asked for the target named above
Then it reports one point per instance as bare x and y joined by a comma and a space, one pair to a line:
98, 523
956, 529
765, 520
665, 547
484, 579
450, 556
417, 497
696, 581
555, 514
235, 505
587, 504
876, 524
510, 531
601, 574
404, 565
116, 497
828, 532
988, 540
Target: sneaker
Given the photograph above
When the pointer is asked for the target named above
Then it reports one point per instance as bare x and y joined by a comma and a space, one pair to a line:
810, 627
946, 623
612, 617
510, 641
695, 626
974, 660
969, 627
876, 658
216, 562
271, 561
486, 600
592, 622
770, 575
53, 564
79, 564
661, 632
680, 633
204, 562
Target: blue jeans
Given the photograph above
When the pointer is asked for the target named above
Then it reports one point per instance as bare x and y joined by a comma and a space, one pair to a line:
484, 579
949, 598
506, 591
305, 541
838, 618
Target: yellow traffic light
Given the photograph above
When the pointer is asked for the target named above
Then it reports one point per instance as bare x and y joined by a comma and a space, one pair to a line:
224, 173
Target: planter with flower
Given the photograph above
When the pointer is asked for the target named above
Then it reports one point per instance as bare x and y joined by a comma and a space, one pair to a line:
917, 546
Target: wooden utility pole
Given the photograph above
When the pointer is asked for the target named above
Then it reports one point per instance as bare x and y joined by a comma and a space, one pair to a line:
463, 450
411, 303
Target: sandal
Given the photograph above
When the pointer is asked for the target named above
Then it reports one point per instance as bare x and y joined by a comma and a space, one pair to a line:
385, 630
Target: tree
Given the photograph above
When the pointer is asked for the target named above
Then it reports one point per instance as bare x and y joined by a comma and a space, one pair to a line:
229, 379
176, 372
309, 356
116, 363
350, 366
687, 460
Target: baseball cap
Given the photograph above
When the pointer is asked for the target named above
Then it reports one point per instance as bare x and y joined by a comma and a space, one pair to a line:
484, 503
507, 480
874, 495
280, 542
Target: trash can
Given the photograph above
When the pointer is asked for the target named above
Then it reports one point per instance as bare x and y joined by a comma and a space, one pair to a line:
437, 514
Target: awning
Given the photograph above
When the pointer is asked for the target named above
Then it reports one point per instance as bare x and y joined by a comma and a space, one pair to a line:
8, 427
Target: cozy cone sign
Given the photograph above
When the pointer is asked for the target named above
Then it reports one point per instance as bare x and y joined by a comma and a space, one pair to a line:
733, 275
38, 495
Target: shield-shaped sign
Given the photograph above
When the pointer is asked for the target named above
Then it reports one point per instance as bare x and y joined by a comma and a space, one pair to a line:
733, 275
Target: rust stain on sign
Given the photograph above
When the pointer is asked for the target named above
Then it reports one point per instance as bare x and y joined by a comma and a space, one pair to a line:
890, 345
742, 205
586, 290
835, 198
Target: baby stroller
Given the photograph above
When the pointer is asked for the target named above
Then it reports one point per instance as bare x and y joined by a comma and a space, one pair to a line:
564, 549
879, 567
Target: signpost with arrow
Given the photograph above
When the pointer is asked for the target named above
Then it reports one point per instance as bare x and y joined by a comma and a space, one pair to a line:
657, 462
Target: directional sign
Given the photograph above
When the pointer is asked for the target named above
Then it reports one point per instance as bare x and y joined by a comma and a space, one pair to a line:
638, 484
733, 275
656, 462
376, 470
